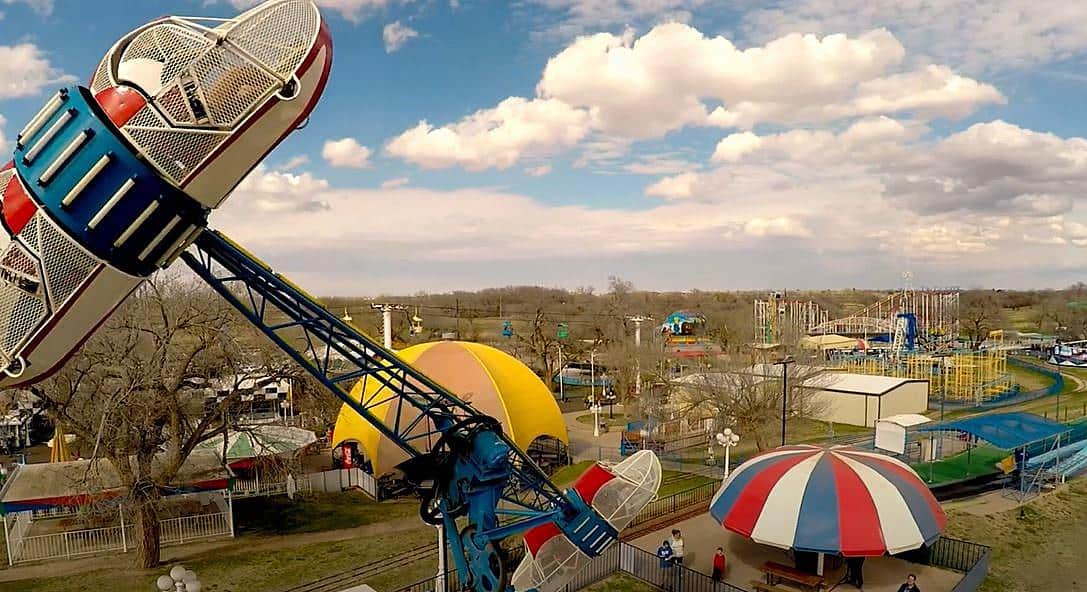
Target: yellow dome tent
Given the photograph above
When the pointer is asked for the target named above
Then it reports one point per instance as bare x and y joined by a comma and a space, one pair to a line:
492, 381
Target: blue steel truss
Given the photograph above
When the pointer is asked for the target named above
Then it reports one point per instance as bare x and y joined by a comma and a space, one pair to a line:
338, 355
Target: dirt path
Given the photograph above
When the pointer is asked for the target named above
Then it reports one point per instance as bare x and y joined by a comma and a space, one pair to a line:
237, 546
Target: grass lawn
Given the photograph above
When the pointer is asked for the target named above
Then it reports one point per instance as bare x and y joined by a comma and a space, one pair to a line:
621, 582
1041, 551
316, 512
241, 571
1029, 379
618, 421
671, 481
979, 461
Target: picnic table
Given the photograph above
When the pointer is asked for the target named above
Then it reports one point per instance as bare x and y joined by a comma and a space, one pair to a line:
776, 572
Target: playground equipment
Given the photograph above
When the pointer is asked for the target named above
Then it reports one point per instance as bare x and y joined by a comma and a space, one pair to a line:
683, 335
777, 314
959, 377
936, 313
114, 182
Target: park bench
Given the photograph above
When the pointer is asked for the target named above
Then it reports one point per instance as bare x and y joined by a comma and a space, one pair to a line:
776, 571
759, 586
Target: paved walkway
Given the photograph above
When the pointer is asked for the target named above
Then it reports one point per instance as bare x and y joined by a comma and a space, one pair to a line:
744, 557
585, 446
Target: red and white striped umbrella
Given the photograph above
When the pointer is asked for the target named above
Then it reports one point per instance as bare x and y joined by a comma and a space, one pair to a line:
836, 500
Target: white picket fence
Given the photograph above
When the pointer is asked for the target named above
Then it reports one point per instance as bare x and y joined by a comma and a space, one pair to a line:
79, 543
241, 488
341, 479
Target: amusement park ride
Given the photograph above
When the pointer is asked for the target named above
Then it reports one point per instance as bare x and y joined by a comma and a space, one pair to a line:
113, 182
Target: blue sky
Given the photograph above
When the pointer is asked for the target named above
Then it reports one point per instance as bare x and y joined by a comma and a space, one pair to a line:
701, 144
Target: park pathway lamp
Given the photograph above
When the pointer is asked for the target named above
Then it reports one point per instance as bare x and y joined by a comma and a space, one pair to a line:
727, 439
596, 419
179, 580
784, 363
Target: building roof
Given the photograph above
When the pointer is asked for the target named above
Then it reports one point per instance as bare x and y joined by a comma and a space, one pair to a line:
861, 384
1003, 430
492, 381
907, 420
78, 482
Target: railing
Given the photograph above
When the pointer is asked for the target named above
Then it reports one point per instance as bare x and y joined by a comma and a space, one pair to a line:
341, 479
78, 543
678, 501
963, 556
240, 488
646, 567
71, 544
190, 528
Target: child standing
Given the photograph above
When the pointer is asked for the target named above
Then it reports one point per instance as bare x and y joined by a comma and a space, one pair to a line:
718, 565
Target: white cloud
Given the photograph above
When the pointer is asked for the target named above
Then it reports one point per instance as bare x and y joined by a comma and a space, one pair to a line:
494, 138
294, 162
977, 34
668, 78
780, 227
611, 90
352, 10
579, 16
395, 183
25, 71
735, 146
995, 166
42, 7
346, 153
270, 191
395, 35
3, 136
538, 171
675, 187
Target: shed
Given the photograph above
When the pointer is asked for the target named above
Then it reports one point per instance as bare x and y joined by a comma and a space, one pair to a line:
862, 399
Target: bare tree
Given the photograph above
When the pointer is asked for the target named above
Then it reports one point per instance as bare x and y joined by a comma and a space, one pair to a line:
129, 396
979, 314
748, 398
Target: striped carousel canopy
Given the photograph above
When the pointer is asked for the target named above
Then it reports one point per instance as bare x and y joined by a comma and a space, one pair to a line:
836, 500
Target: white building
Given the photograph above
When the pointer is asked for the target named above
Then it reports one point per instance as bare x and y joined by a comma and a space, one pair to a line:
861, 399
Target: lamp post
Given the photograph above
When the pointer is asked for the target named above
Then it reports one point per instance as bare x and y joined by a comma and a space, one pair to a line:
784, 363
596, 419
592, 375
562, 392
179, 580
727, 439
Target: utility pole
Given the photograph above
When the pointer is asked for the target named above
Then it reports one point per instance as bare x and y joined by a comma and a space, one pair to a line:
387, 320
638, 320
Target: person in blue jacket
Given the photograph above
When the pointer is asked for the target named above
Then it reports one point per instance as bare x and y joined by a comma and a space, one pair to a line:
665, 554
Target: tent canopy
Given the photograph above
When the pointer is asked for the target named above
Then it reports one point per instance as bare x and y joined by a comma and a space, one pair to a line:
1003, 430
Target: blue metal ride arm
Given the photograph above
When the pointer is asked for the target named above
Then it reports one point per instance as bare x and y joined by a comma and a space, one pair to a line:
460, 462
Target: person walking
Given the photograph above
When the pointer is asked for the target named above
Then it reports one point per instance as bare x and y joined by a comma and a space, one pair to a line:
664, 553
854, 571
677, 546
910, 585
718, 565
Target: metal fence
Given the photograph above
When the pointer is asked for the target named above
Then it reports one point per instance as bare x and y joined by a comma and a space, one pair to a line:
92, 541
667, 506
647, 567
963, 556
340, 479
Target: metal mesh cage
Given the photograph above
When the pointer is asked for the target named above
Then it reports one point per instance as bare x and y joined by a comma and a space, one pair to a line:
280, 36
172, 45
29, 234
5, 178
175, 152
66, 264
231, 86
20, 315
146, 117
172, 102
16, 259
101, 79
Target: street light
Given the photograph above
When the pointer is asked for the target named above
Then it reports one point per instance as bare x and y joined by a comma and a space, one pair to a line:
562, 392
596, 419
784, 363
727, 439
179, 580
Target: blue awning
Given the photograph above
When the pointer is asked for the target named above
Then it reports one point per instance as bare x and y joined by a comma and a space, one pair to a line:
1003, 430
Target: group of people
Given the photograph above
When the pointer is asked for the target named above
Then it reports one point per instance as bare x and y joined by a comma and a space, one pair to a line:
673, 549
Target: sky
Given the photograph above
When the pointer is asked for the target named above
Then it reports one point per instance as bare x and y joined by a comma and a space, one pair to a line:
701, 144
